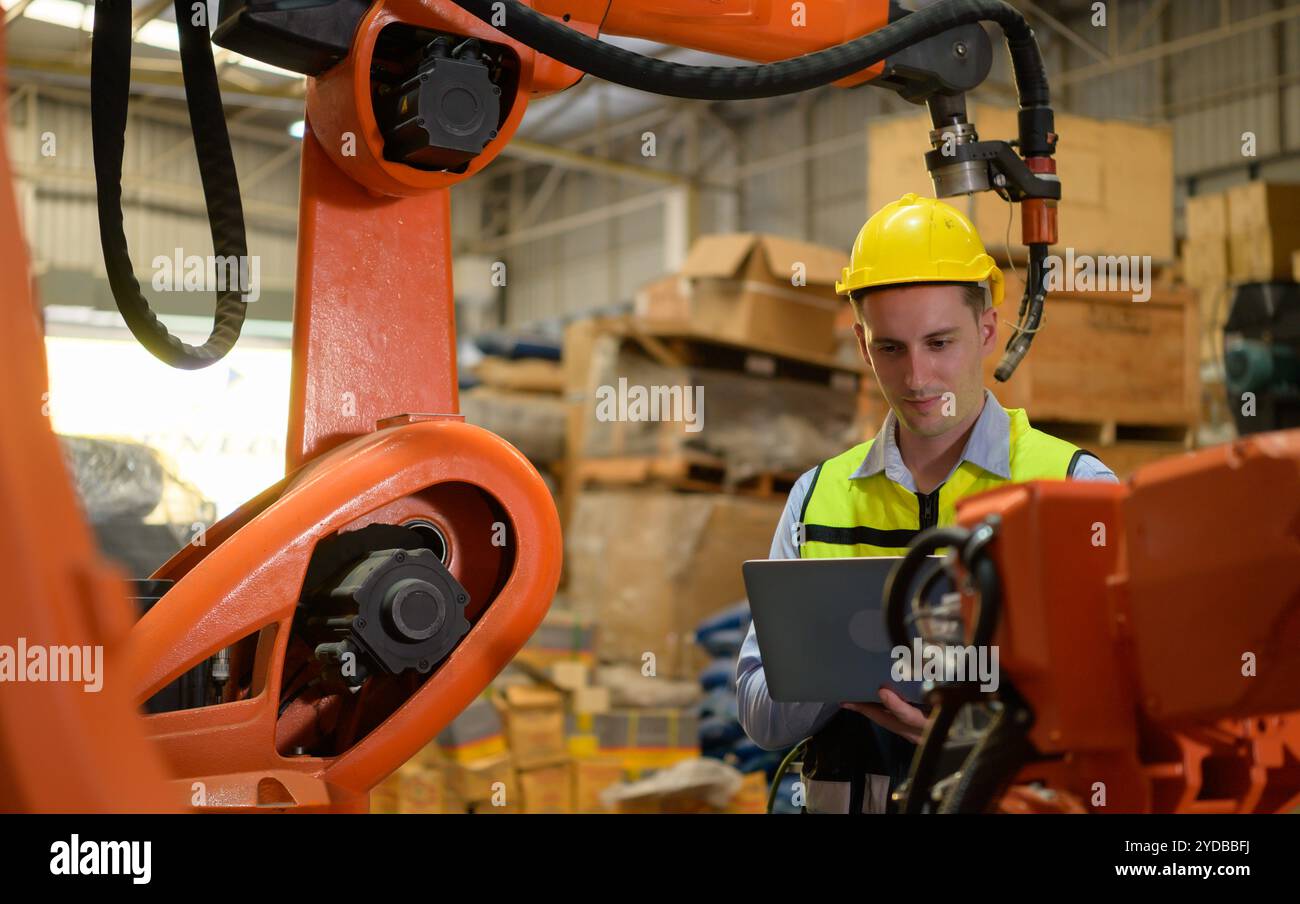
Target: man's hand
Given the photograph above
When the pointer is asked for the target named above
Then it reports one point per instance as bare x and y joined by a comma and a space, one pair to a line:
894, 713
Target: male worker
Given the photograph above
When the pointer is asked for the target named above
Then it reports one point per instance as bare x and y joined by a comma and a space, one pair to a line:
925, 294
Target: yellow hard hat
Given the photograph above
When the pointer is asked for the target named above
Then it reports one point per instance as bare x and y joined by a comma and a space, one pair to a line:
919, 240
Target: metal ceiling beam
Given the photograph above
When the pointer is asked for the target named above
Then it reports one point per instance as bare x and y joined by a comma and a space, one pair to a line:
576, 221
288, 155
1178, 45
178, 117
1149, 18
1062, 29
147, 189
152, 71
536, 152
147, 13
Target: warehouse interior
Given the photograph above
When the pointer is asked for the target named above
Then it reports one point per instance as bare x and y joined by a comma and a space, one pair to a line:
627, 238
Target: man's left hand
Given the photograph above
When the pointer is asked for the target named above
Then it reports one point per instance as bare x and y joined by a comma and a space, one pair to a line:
894, 713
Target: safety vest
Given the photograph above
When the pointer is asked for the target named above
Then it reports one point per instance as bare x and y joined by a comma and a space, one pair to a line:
852, 764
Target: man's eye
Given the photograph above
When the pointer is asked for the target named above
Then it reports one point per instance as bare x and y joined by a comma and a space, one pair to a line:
940, 343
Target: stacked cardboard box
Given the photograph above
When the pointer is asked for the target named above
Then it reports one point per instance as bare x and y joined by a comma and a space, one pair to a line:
418, 786
763, 291
1205, 266
534, 729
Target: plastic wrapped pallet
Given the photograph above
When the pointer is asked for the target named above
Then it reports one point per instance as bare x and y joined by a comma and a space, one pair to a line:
753, 423
116, 480
531, 422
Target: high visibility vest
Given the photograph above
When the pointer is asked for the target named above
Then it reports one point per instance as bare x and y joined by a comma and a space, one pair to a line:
852, 764
873, 516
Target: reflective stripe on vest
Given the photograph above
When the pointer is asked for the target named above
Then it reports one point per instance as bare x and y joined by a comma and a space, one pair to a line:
874, 516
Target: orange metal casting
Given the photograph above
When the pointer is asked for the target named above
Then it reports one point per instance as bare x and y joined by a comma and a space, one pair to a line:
61, 749
251, 582
1128, 645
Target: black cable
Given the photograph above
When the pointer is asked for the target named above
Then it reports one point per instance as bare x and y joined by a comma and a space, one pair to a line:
996, 759
1031, 314
110, 84
901, 577
623, 67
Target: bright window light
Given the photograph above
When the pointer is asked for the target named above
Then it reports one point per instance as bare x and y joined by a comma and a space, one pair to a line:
159, 33
68, 13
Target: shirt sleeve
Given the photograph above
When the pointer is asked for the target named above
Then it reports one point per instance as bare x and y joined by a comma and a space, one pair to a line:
769, 724
1090, 467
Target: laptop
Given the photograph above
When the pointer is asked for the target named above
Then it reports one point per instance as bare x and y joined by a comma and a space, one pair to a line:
820, 625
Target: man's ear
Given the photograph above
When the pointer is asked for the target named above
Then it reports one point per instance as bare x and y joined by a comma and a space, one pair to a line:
860, 331
988, 327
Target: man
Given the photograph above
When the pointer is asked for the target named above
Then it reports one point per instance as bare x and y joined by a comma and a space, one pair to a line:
925, 295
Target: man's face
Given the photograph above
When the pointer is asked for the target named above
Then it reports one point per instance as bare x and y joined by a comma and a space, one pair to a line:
924, 343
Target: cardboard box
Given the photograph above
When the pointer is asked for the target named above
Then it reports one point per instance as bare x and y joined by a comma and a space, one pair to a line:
592, 776
1116, 180
1205, 262
413, 788
766, 290
386, 797
475, 735
570, 674
547, 789
1264, 230
646, 740
590, 700
666, 298
651, 565
423, 790
534, 724
1206, 217
478, 781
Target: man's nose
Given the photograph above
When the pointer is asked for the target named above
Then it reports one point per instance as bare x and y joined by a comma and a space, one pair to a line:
918, 371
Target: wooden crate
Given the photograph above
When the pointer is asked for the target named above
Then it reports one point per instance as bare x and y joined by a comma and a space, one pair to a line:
1117, 178
1101, 357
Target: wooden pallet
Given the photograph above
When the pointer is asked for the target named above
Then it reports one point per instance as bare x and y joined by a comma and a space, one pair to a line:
1101, 434
677, 345
691, 473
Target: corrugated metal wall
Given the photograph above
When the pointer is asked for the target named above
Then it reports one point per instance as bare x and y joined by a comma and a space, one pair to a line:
164, 205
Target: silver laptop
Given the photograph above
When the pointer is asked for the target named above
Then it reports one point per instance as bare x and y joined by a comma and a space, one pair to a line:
821, 627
